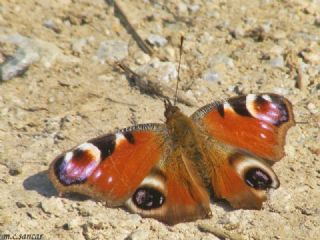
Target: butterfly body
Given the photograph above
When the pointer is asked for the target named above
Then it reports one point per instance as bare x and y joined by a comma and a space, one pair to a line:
171, 171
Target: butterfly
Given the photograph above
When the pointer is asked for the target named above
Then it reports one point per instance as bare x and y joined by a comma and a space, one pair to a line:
171, 171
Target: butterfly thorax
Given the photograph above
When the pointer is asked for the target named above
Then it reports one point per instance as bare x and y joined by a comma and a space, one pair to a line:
186, 140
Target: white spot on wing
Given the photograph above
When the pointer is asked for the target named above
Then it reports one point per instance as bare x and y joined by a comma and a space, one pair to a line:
265, 126
110, 179
97, 174
68, 157
262, 135
227, 106
250, 101
85, 146
267, 97
119, 138
91, 148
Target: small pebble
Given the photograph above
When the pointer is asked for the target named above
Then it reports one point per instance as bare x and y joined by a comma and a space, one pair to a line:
170, 52
72, 224
141, 58
237, 32
219, 232
53, 206
182, 7
138, 235
220, 58
49, 23
18, 64
194, 8
211, 76
32, 50
157, 40
112, 50
78, 45
163, 71
15, 168
281, 91
277, 62
20, 205
312, 108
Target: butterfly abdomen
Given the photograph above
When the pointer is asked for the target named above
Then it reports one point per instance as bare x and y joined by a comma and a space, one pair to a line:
186, 139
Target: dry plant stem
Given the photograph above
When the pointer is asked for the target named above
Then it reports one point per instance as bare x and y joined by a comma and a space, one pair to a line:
155, 87
120, 13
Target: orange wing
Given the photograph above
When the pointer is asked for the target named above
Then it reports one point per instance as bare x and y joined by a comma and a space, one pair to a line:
238, 177
137, 169
173, 192
255, 123
110, 167
242, 131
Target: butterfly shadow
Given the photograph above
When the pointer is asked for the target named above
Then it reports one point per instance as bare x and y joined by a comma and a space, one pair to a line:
40, 183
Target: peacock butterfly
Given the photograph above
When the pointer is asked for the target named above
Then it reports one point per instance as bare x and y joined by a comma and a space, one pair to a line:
171, 171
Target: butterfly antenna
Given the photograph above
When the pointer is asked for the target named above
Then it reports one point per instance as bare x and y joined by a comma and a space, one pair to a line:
178, 80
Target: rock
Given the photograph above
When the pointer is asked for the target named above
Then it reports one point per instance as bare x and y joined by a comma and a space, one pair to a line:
281, 201
237, 32
221, 59
53, 206
211, 76
194, 8
163, 71
138, 235
182, 8
37, 50
112, 50
312, 108
219, 232
206, 38
277, 62
170, 52
15, 168
75, 222
280, 90
78, 45
20, 205
141, 58
18, 64
49, 23
157, 40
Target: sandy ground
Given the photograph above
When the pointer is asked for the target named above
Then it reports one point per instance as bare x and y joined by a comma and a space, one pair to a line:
68, 96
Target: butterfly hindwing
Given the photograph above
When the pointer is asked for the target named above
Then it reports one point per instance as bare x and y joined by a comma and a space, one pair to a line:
170, 195
238, 177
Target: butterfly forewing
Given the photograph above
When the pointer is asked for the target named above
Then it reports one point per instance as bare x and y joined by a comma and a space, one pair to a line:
255, 123
110, 167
